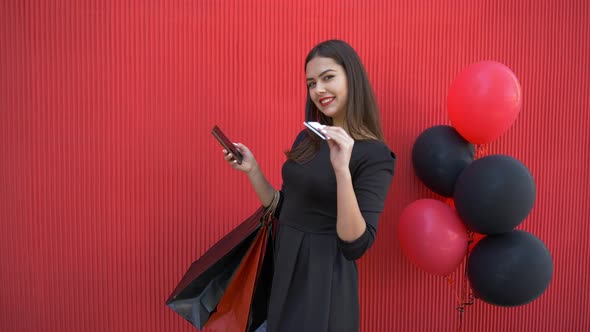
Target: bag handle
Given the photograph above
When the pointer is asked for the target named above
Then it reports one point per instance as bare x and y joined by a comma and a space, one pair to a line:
272, 207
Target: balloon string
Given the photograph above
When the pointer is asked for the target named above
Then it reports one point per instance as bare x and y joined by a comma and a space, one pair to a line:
466, 294
464, 297
451, 282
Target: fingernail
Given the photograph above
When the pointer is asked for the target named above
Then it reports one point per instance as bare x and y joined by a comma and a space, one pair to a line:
323, 131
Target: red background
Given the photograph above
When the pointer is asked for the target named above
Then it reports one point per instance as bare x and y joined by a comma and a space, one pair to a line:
111, 183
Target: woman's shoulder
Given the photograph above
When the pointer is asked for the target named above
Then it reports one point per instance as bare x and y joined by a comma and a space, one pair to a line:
299, 138
372, 149
370, 157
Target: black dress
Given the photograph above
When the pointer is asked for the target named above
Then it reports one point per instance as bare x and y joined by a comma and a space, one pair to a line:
315, 282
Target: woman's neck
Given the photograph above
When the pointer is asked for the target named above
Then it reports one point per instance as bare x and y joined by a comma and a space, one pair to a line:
340, 122
364, 133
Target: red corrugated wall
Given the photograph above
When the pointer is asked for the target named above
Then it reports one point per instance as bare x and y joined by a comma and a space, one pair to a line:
111, 183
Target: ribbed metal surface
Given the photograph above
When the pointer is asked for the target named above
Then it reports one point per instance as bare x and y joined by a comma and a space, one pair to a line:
111, 183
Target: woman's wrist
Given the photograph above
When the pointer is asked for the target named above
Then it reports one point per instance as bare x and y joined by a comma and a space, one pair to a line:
342, 174
254, 170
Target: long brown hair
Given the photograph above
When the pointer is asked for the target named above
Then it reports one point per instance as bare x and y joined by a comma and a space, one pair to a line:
362, 112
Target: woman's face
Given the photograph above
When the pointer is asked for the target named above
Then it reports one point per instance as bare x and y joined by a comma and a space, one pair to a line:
328, 89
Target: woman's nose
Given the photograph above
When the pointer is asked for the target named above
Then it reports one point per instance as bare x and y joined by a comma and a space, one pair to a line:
319, 89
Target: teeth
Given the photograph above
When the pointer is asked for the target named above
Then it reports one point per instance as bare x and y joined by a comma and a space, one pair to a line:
325, 101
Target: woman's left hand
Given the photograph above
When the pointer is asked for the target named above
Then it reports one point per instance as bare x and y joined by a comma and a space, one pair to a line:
340, 147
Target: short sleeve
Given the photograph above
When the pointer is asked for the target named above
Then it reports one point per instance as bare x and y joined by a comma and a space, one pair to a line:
372, 177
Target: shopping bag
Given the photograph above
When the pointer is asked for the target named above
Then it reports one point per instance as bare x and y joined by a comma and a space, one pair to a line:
203, 285
233, 310
230, 284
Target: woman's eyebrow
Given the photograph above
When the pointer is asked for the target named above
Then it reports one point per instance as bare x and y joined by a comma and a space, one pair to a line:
321, 74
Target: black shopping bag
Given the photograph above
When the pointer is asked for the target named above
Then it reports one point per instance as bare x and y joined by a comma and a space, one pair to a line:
245, 253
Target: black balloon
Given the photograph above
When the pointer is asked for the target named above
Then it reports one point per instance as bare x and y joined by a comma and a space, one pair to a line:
439, 155
509, 269
494, 194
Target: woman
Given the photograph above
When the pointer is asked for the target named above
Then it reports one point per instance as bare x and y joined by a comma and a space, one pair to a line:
332, 195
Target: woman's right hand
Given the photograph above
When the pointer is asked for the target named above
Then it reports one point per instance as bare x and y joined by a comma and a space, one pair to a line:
248, 161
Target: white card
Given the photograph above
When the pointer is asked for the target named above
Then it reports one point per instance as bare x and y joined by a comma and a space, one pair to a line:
316, 127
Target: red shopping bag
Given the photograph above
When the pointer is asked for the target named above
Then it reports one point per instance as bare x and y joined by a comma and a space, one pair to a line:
233, 311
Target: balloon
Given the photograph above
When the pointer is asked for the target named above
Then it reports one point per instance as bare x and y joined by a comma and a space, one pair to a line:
432, 236
439, 155
483, 101
494, 194
509, 269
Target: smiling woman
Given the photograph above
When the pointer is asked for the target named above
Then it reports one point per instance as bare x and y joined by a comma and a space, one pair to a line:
326, 81
331, 199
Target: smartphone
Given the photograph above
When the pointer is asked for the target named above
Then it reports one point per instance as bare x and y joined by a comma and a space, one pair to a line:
227, 144
316, 127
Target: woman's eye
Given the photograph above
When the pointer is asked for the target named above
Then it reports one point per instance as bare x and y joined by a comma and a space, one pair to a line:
328, 77
310, 85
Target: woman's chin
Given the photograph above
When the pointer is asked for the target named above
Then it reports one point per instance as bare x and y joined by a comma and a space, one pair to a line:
329, 113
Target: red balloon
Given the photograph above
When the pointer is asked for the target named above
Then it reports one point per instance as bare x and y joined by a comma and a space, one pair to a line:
483, 101
432, 236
